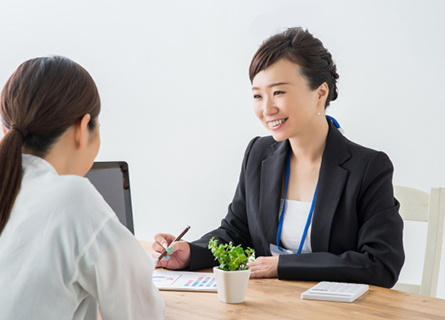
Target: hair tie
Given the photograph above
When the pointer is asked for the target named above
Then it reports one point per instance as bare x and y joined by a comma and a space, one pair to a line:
20, 129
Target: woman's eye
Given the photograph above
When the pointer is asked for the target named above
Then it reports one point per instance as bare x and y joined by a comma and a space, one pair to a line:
277, 93
256, 96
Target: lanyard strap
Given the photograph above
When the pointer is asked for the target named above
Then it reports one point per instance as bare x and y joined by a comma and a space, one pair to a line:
311, 211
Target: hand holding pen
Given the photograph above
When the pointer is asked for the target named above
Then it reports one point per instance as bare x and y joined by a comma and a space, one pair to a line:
170, 251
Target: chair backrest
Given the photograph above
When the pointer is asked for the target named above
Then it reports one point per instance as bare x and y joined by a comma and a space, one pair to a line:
417, 205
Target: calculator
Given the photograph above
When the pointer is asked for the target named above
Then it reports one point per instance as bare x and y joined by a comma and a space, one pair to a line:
335, 291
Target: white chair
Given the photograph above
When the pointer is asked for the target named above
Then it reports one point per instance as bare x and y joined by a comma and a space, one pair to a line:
417, 205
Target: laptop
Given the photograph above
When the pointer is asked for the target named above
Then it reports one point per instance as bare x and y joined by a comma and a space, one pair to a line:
112, 180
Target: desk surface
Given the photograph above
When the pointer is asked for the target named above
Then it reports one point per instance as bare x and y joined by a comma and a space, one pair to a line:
277, 299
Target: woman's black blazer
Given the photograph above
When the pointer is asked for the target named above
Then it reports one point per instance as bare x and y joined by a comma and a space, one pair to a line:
356, 228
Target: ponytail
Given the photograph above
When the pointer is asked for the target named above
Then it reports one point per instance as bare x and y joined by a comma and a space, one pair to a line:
10, 172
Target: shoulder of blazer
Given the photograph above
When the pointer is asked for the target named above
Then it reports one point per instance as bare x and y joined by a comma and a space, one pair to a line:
261, 148
340, 149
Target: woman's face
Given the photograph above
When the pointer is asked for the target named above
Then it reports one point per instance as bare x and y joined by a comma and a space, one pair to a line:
283, 101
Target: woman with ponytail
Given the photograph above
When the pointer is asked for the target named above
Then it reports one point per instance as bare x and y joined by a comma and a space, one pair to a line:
314, 205
63, 252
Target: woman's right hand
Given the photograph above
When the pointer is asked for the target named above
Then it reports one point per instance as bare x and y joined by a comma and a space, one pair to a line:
178, 259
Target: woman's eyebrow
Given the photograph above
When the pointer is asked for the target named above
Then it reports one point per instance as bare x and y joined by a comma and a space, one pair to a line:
272, 85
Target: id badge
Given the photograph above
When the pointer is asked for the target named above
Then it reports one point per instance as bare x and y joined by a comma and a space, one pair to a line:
276, 252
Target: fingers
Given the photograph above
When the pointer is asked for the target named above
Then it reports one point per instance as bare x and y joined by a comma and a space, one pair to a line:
155, 254
253, 265
264, 267
255, 268
175, 247
162, 263
168, 251
162, 240
177, 257
257, 271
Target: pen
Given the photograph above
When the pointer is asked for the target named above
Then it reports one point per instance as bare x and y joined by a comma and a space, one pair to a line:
176, 239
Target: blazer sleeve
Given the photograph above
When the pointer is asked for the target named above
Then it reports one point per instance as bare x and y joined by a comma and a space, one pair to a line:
234, 227
379, 254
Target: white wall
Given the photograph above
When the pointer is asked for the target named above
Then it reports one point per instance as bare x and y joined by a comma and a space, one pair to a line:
176, 95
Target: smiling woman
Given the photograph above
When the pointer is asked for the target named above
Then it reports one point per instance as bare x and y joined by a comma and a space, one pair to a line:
314, 205
285, 104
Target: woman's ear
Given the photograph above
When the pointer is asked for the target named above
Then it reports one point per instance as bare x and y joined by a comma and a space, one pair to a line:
323, 92
82, 134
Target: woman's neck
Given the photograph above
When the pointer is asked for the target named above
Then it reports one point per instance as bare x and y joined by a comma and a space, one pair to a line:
309, 145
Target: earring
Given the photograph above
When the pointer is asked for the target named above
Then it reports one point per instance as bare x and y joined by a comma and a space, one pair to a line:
318, 113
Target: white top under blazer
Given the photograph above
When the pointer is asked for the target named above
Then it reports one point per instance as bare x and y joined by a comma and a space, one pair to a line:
294, 222
63, 252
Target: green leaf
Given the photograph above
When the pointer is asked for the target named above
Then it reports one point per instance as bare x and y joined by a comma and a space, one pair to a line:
231, 257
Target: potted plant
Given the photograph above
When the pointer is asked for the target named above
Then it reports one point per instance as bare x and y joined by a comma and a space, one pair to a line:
232, 274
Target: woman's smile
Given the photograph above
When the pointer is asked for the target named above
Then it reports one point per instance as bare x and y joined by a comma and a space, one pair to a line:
276, 124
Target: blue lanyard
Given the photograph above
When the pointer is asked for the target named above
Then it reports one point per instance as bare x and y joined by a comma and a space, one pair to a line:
311, 211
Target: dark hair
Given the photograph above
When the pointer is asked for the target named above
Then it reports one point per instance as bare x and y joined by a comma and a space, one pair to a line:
300, 47
39, 102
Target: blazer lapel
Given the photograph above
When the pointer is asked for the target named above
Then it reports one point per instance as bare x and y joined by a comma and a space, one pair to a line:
270, 191
331, 182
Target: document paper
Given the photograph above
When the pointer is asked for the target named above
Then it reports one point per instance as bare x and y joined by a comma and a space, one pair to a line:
184, 281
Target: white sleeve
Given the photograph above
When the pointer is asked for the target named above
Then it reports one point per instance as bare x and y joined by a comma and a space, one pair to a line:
117, 271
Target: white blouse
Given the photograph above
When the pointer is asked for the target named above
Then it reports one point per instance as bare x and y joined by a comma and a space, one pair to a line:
294, 222
63, 252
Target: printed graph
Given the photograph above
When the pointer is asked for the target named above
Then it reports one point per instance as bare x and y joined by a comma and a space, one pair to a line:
183, 280
208, 282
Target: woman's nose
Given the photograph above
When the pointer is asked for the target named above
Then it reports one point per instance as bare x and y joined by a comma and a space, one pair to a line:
269, 107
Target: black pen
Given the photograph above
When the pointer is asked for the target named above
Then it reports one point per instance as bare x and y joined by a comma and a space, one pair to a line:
176, 239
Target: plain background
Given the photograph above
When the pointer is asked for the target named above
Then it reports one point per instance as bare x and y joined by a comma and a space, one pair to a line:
177, 102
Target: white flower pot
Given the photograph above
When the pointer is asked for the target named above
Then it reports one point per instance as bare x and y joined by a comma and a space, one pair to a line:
231, 285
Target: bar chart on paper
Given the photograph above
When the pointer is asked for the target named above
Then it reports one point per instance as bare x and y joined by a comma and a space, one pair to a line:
184, 281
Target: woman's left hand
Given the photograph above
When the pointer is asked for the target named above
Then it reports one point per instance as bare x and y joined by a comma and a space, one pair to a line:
264, 267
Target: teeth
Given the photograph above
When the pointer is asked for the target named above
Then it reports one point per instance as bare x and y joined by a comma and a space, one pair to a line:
276, 123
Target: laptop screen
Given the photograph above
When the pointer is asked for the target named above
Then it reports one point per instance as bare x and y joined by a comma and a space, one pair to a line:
112, 181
